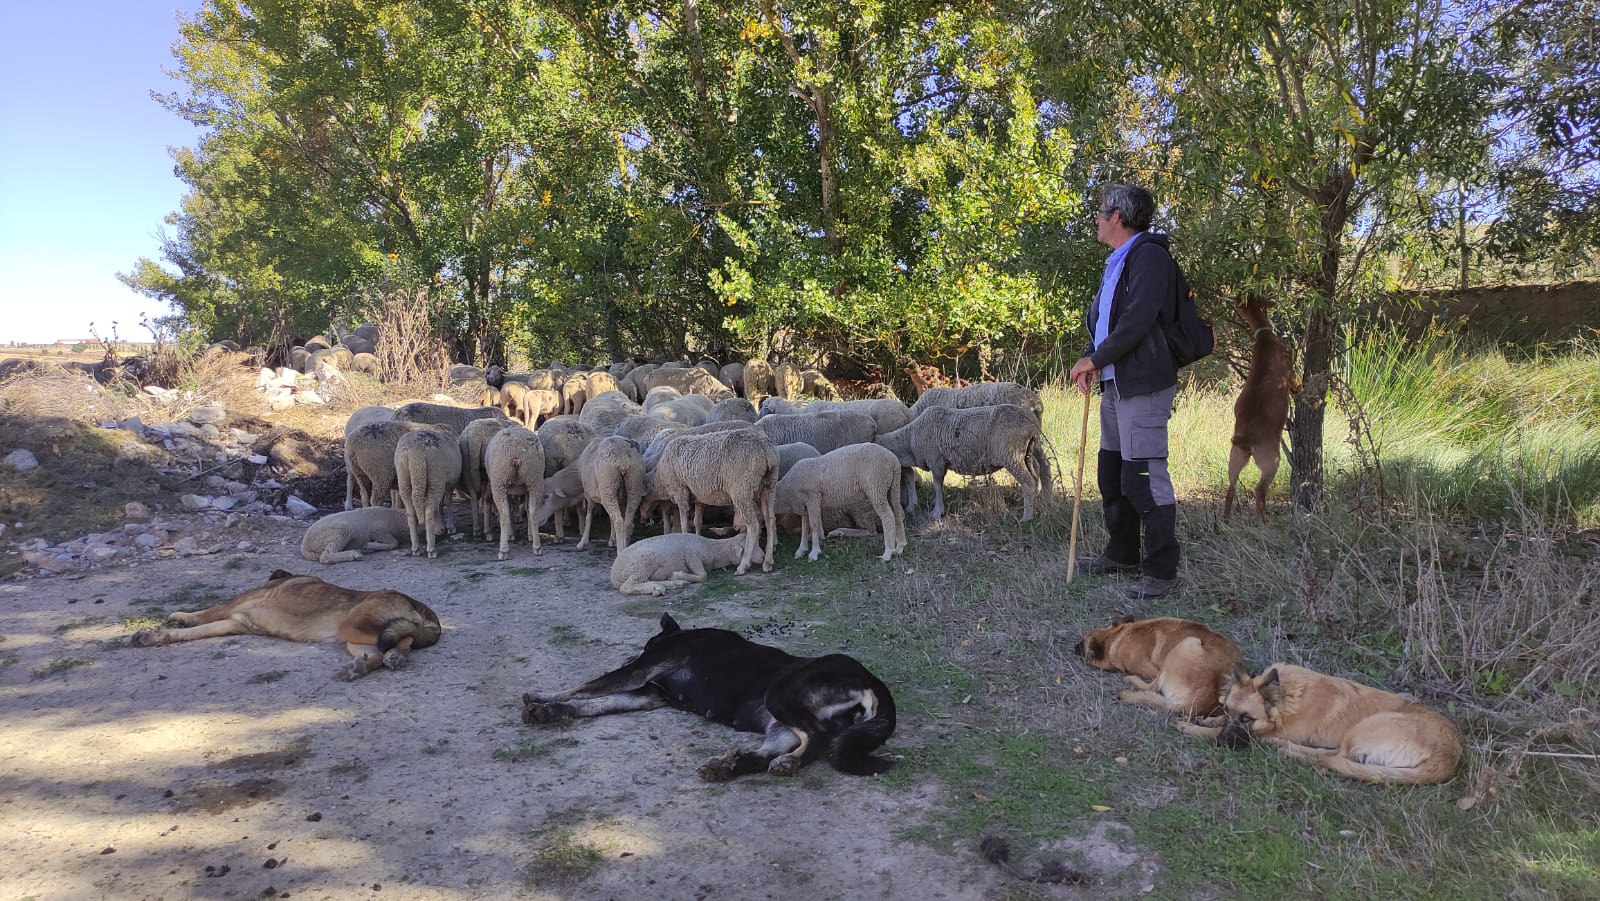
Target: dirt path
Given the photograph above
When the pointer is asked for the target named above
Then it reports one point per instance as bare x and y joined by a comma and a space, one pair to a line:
239, 768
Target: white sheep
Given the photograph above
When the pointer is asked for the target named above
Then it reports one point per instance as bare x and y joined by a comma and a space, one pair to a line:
659, 395
654, 565
823, 431
562, 491
564, 438
889, 413
607, 410
514, 461
980, 394
612, 472
474, 479
786, 381
427, 465
341, 537
972, 442
732, 409
359, 418
370, 450
844, 478
690, 409
776, 406
453, 418
736, 468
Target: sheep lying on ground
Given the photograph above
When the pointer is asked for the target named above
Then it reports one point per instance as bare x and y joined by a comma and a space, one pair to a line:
514, 461
972, 442
474, 479
653, 565
981, 394
841, 478
453, 418
427, 465
370, 450
612, 471
736, 468
341, 537
823, 431
359, 418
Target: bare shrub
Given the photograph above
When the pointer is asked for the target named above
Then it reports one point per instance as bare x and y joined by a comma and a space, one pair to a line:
410, 348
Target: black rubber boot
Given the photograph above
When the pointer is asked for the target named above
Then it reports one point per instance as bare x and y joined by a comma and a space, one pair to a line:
1122, 520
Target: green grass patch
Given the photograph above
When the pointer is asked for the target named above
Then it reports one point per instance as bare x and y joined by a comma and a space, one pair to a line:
561, 857
60, 665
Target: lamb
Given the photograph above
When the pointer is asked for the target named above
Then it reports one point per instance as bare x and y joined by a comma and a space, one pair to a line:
600, 381
737, 468
474, 480
842, 478
341, 537
562, 491
359, 418
612, 470
981, 394
823, 431
607, 410
757, 381
975, 441
786, 381
563, 439
514, 460
792, 453
427, 464
814, 383
654, 565
453, 418
371, 452
1262, 408
889, 413
732, 409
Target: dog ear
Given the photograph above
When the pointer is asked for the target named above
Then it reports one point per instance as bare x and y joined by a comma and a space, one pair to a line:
280, 574
669, 625
1271, 689
1238, 676
1123, 621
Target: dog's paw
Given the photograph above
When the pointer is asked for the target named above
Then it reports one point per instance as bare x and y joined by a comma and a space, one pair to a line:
145, 638
536, 712
720, 769
395, 659
784, 765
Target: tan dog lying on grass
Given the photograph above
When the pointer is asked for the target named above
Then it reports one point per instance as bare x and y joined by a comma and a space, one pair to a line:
378, 627
1174, 665
1339, 725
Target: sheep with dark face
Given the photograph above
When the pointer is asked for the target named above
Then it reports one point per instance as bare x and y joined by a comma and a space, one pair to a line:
736, 468
514, 461
972, 442
427, 465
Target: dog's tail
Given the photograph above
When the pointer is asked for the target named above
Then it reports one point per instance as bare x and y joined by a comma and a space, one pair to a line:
422, 630
852, 749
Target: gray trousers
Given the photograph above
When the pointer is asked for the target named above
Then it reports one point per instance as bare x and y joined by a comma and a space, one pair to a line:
1135, 428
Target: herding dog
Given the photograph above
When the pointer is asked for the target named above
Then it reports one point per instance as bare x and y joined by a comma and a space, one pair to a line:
1339, 725
1173, 664
805, 707
379, 627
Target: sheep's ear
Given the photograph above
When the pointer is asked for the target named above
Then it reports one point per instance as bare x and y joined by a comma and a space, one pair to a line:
1123, 621
669, 625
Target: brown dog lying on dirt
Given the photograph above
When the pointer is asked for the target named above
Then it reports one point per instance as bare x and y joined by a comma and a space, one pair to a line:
1339, 725
1174, 665
379, 627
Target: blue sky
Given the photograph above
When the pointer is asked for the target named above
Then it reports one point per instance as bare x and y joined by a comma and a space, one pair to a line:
85, 177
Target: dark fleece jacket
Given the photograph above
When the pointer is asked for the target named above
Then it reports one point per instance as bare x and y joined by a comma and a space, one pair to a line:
1142, 309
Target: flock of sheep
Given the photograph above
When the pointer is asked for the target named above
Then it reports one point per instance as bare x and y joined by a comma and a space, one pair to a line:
665, 442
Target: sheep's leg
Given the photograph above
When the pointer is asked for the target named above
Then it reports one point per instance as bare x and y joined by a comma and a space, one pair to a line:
349, 483
412, 512
681, 501
331, 556
899, 526
696, 573
431, 518
814, 516
805, 532
908, 490
1030, 490
588, 522
1236, 460
769, 517
529, 498
1267, 462
502, 503
618, 521
937, 470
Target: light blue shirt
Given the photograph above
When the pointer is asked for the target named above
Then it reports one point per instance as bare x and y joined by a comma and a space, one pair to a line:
1108, 291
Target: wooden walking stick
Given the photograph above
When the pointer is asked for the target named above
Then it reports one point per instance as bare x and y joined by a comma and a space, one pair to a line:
1077, 494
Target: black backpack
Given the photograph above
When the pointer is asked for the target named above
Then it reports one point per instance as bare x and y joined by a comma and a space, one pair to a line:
1189, 337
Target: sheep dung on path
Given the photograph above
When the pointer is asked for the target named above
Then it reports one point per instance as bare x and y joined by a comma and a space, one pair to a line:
844, 478
341, 537
427, 465
736, 468
514, 461
972, 442
653, 565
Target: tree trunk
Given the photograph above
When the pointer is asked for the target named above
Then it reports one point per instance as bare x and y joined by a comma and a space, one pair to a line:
1316, 352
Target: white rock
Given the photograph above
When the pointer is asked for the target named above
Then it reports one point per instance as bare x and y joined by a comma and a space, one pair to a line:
22, 460
101, 554
210, 413
266, 378
299, 509
156, 391
280, 402
308, 397
186, 546
223, 503
257, 459
148, 540
195, 502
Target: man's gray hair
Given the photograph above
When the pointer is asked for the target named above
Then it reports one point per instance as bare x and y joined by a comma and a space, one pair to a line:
1135, 204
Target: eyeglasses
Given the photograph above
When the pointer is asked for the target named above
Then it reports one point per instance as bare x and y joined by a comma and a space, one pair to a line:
1104, 214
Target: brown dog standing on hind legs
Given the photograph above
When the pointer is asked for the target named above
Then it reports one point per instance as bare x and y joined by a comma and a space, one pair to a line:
1339, 725
378, 627
1175, 665
1262, 408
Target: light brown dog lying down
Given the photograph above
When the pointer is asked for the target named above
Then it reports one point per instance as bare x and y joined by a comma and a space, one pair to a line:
379, 627
1339, 725
1175, 665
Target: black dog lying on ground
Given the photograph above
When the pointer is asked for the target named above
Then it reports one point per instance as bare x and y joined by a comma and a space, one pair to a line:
805, 707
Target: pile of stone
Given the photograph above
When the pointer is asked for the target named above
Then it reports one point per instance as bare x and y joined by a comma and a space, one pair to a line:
140, 538
284, 387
